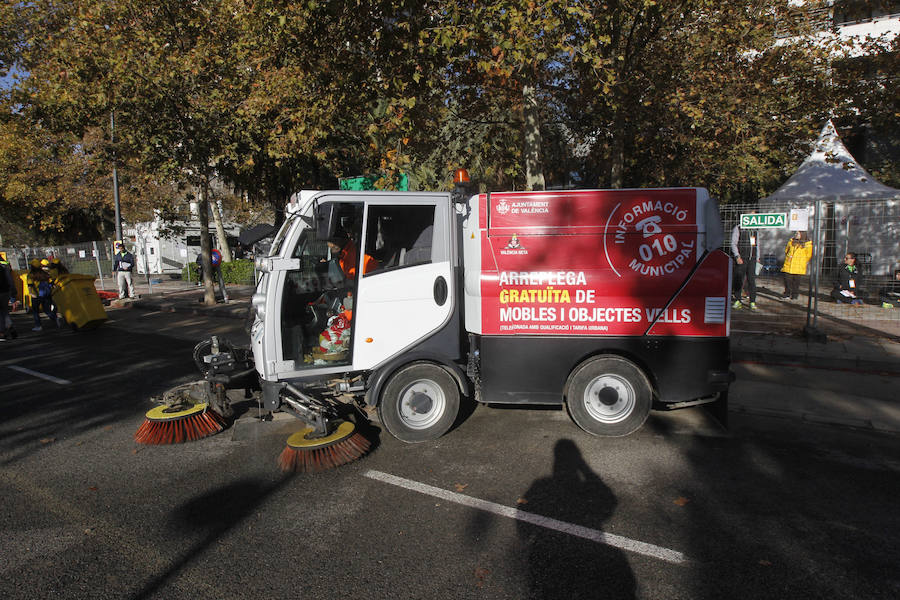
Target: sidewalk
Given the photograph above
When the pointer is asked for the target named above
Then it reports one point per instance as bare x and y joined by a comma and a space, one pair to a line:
181, 296
858, 353
857, 338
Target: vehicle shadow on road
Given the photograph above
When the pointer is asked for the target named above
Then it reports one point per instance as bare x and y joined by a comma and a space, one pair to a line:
211, 516
561, 565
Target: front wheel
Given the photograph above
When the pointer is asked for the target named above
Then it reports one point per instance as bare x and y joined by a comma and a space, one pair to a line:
419, 403
609, 396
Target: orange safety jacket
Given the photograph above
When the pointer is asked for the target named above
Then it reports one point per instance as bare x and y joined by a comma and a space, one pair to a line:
347, 261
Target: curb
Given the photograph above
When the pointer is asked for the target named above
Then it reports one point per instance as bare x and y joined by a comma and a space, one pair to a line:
235, 309
845, 363
817, 419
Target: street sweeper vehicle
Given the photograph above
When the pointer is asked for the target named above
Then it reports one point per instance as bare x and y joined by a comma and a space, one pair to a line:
611, 302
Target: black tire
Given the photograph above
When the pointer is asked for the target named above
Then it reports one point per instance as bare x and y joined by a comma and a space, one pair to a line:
609, 396
419, 403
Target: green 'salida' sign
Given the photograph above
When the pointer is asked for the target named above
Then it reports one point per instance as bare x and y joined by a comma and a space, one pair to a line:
763, 220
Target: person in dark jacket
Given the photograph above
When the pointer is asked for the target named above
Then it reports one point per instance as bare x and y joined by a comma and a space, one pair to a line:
123, 265
890, 294
7, 293
745, 251
847, 286
199, 262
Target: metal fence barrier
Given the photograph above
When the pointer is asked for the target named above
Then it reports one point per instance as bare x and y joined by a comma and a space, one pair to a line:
869, 228
96, 258
87, 258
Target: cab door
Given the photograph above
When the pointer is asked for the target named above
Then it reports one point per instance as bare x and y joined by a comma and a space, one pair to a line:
405, 292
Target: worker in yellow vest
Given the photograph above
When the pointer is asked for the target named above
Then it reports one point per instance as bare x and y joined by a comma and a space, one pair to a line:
797, 253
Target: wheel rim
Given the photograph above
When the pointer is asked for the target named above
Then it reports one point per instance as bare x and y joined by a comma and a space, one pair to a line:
422, 403
609, 398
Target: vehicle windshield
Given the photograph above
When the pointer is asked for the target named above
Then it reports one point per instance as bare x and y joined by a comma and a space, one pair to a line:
317, 271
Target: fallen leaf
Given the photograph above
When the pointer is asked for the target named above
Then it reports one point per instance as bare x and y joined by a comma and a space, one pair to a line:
521, 501
79, 443
480, 574
681, 501
108, 428
48, 440
93, 488
765, 563
461, 486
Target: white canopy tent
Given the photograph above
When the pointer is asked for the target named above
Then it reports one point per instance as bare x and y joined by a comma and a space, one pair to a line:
830, 173
859, 213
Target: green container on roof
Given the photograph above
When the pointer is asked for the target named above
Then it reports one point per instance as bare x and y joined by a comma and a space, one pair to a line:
367, 182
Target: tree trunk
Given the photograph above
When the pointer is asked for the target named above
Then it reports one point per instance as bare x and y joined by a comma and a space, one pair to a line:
209, 296
617, 152
534, 175
216, 206
277, 202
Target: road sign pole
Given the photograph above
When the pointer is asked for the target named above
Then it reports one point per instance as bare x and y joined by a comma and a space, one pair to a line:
811, 331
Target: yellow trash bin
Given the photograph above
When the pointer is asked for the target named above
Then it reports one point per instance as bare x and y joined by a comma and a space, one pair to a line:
77, 301
22, 291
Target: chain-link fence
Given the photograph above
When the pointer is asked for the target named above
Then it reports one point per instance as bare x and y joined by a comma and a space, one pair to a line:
868, 228
87, 258
157, 260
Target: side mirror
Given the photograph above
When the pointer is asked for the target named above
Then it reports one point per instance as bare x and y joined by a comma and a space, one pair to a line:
327, 220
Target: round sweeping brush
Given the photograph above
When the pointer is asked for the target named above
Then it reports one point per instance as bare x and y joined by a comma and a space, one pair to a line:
305, 454
177, 424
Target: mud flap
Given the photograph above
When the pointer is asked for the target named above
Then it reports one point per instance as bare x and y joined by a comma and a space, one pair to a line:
718, 409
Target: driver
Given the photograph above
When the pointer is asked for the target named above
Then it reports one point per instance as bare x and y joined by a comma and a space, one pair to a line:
345, 250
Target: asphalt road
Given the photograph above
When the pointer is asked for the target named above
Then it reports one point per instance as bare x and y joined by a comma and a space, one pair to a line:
512, 503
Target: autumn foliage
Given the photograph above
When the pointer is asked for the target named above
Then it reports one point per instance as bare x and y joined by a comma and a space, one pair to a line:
270, 96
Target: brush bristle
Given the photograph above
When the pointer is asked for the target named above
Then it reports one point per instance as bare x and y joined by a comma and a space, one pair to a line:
315, 460
177, 431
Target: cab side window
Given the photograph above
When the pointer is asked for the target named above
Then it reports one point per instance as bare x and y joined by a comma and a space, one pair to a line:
399, 236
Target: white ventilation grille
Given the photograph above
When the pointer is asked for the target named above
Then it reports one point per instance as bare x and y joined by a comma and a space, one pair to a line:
716, 309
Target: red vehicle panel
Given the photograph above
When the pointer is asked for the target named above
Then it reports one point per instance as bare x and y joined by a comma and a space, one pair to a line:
610, 262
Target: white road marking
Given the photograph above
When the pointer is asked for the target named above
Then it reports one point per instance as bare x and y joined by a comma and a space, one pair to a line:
155, 312
595, 535
56, 380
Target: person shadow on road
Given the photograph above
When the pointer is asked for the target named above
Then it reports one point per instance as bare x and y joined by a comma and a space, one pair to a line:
561, 565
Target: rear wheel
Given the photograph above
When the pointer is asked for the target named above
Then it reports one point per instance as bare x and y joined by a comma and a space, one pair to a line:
419, 403
609, 396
